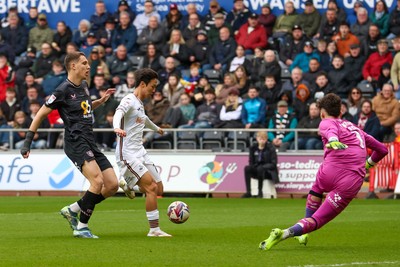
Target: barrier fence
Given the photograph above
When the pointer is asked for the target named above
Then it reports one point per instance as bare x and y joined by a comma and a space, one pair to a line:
385, 174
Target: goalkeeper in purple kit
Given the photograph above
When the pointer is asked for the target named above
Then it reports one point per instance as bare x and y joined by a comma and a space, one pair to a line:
340, 175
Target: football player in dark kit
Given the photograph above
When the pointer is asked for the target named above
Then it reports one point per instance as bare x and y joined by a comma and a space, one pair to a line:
73, 102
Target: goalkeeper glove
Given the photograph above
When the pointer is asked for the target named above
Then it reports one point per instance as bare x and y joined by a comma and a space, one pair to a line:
336, 145
369, 164
26, 147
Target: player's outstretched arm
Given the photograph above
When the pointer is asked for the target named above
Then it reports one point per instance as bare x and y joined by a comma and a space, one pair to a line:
379, 151
117, 123
106, 96
151, 125
40, 116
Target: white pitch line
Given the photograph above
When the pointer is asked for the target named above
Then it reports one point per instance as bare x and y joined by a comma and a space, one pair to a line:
349, 264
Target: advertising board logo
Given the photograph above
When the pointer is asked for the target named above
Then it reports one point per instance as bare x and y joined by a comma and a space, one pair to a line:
213, 173
62, 175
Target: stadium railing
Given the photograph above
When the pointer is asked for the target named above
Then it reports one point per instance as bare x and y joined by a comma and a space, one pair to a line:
232, 141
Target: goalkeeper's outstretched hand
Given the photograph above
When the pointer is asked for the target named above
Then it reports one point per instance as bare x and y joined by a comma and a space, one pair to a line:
336, 145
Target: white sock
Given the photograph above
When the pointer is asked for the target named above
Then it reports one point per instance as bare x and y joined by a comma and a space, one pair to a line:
153, 217
75, 207
286, 234
81, 225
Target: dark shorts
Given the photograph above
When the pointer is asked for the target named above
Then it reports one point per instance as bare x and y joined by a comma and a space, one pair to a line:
81, 150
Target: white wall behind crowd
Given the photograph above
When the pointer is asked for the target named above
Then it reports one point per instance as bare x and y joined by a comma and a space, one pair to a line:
200, 173
72, 11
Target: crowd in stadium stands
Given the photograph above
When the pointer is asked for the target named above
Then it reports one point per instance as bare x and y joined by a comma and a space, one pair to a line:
227, 69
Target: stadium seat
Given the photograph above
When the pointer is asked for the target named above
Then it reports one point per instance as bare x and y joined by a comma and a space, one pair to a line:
242, 140
285, 74
214, 76
212, 140
161, 144
136, 60
367, 89
187, 140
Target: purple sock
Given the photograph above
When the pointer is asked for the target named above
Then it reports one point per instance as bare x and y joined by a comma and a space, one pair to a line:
296, 229
310, 212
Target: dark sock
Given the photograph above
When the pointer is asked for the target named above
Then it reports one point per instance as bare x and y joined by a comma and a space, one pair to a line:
310, 212
87, 204
296, 230
100, 198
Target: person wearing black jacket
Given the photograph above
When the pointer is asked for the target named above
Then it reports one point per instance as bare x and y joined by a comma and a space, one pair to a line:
262, 164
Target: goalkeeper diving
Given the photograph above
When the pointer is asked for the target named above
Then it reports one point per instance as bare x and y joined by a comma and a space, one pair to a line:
340, 175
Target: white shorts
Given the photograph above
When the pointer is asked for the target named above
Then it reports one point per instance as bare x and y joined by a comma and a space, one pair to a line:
132, 170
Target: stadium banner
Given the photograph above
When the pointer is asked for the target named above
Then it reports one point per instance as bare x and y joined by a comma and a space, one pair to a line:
183, 173
72, 11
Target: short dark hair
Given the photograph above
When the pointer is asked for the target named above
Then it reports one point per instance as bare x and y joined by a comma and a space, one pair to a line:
332, 104
145, 75
72, 57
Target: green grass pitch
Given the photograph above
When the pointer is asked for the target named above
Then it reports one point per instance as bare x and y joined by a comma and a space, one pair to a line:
219, 232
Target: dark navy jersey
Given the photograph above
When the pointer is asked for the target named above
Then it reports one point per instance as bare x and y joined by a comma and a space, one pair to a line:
75, 107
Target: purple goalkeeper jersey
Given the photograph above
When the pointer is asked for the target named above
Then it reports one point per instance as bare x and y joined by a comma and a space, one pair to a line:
352, 158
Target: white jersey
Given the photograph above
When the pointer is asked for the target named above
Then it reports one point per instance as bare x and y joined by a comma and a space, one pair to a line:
130, 117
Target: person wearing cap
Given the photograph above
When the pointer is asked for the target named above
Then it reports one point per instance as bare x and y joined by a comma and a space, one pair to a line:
15, 35
41, 33
353, 65
283, 119
352, 16
173, 19
152, 33
209, 19
201, 50
223, 51
123, 6
292, 45
189, 33
361, 26
329, 26
267, 19
374, 63
344, 39
251, 35
309, 20
91, 42
394, 21
142, 19
97, 65
302, 59
238, 15
61, 38
100, 16
106, 34
213, 32
285, 22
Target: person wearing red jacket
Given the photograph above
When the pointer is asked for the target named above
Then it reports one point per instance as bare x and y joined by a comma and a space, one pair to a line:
373, 65
252, 35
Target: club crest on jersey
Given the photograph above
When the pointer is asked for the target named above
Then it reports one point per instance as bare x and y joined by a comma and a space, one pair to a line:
51, 99
73, 96
90, 153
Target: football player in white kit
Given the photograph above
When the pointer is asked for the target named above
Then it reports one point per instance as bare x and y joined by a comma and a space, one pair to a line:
135, 166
